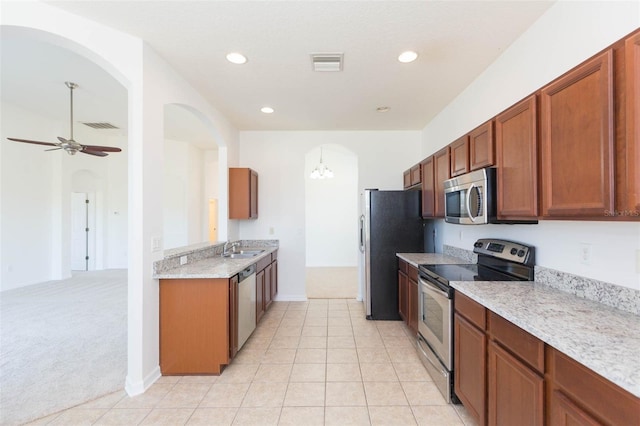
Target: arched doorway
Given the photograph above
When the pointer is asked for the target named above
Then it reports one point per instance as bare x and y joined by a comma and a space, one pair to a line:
331, 233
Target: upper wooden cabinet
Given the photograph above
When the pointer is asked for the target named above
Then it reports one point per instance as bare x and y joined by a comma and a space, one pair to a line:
631, 201
243, 193
481, 147
517, 161
577, 141
441, 172
406, 179
412, 177
428, 187
460, 156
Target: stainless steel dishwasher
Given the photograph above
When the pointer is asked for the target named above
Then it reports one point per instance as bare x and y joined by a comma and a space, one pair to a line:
246, 304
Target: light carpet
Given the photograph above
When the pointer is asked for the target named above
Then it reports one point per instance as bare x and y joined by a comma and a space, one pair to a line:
62, 343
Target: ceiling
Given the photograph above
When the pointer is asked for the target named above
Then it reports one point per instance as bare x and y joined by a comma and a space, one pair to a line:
455, 40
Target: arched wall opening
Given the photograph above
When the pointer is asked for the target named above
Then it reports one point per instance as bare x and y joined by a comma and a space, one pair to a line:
331, 224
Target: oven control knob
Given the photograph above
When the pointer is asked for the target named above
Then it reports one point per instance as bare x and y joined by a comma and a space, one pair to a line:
478, 244
521, 253
514, 251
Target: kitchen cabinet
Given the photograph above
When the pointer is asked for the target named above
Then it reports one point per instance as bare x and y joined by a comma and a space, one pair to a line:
243, 193
517, 161
408, 294
441, 172
631, 194
406, 179
482, 147
267, 287
515, 369
412, 177
428, 187
577, 141
459, 151
194, 326
580, 396
266, 283
470, 356
274, 276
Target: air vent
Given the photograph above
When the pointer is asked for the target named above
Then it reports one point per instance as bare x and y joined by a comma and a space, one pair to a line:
101, 125
324, 62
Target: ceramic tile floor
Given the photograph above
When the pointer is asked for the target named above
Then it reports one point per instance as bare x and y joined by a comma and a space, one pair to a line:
307, 363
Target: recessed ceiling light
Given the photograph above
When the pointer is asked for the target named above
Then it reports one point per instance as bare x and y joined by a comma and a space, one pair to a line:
408, 56
267, 110
236, 58
383, 109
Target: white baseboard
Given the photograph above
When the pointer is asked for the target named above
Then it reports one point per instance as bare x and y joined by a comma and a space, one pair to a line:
139, 387
290, 298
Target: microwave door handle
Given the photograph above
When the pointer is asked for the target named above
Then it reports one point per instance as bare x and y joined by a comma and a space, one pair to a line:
468, 202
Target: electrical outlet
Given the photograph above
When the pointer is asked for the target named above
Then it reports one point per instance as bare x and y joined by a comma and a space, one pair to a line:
156, 244
271, 230
585, 253
637, 261
461, 235
183, 260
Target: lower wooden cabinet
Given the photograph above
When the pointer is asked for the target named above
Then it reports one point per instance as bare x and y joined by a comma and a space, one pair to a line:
194, 326
470, 360
408, 294
506, 376
233, 316
266, 283
515, 391
260, 282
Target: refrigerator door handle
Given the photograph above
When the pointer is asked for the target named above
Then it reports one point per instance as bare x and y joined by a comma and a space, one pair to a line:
362, 233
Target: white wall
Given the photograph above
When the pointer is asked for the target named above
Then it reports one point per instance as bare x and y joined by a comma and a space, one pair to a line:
279, 159
566, 35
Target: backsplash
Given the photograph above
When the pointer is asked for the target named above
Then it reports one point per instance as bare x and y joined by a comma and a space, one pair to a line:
623, 298
201, 251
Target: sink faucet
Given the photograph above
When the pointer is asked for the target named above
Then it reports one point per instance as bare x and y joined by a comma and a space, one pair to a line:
225, 250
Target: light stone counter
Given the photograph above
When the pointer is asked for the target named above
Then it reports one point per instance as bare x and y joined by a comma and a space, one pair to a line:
604, 339
416, 259
214, 266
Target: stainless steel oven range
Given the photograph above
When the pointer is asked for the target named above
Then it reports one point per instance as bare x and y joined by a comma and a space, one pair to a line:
498, 260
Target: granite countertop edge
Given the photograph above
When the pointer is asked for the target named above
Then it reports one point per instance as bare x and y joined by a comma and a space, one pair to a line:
214, 267
604, 339
416, 259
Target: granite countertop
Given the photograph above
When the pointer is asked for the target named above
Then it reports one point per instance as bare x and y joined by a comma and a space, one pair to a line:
215, 266
604, 339
416, 259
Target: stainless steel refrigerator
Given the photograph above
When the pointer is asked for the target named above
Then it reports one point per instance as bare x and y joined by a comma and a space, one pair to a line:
390, 224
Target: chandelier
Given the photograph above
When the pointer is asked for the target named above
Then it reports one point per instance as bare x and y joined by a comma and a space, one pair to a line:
321, 171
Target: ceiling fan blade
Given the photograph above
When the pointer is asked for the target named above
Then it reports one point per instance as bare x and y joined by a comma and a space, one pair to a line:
96, 153
63, 140
34, 142
101, 148
54, 149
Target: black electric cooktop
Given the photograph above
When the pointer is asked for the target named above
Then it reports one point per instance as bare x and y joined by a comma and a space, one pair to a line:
466, 272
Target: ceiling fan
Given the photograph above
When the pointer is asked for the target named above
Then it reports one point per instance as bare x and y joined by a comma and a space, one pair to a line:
70, 145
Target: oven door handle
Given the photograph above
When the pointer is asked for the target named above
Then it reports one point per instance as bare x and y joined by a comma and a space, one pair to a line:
434, 288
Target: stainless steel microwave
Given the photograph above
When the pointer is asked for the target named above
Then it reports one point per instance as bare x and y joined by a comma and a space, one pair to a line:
470, 199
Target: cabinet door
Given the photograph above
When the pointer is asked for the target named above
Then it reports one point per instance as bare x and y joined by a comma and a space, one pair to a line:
412, 309
469, 358
460, 156
406, 179
274, 279
517, 160
403, 295
428, 187
482, 147
259, 295
253, 195
416, 175
577, 141
632, 154
565, 412
515, 393
267, 287
233, 316
441, 172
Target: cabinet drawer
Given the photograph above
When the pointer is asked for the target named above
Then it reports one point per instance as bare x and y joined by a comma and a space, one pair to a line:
402, 265
522, 344
263, 263
471, 310
607, 401
413, 273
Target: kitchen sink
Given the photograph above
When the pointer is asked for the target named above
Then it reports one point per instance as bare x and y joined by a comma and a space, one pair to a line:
243, 254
